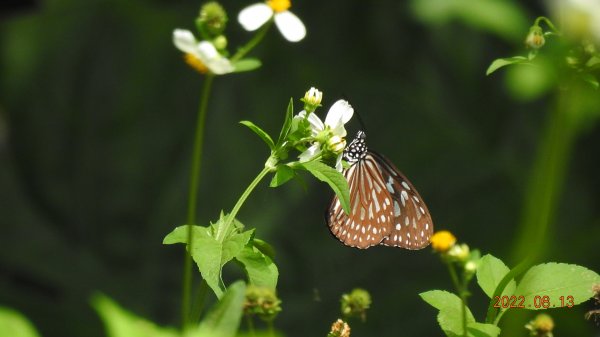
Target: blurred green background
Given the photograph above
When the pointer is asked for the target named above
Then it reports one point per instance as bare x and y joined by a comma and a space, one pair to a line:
97, 110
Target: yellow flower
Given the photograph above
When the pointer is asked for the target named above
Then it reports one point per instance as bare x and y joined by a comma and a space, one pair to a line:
442, 241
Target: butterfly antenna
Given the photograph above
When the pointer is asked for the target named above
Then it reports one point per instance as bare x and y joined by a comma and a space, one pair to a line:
363, 127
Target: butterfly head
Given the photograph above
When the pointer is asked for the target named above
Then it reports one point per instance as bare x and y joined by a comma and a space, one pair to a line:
357, 149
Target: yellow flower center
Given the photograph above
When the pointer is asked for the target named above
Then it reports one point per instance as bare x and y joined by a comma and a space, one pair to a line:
195, 63
442, 241
279, 5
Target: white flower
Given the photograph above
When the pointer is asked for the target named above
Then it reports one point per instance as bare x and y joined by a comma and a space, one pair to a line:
290, 26
338, 115
581, 18
201, 55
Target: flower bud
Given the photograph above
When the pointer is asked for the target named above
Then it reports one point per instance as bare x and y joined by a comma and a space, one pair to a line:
312, 99
356, 304
459, 252
336, 144
220, 42
339, 329
535, 39
442, 241
212, 20
541, 326
263, 302
471, 267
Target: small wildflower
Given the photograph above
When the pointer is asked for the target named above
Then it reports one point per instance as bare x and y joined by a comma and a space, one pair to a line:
339, 329
339, 114
289, 25
263, 302
212, 19
442, 241
202, 56
336, 144
459, 252
541, 326
312, 99
356, 304
535, 39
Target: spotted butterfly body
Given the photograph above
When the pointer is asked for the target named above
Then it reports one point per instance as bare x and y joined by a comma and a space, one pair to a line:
385, 208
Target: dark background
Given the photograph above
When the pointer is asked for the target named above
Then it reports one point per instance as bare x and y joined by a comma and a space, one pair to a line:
97, 111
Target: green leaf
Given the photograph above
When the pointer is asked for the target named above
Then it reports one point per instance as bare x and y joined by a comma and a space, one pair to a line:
120, 323
499, 63
260, 269
475, 329
287, 123
450, 311
209, 254
223, 320
283, 174
14, 324
490, 272
262, 134
555, 280
332, 177
247, 64
264, 248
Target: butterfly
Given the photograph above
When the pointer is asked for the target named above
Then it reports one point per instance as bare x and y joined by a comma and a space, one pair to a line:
385, 208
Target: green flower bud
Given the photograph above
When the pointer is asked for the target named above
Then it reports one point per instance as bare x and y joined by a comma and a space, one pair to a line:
535, 39
212, 20
356, 304
220, 42
541, 326
339, 329
458, 252
312, 99
262, 302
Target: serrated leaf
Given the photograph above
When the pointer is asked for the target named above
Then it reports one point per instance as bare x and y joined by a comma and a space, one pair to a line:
14, 324
499, 63
287, 123
247, 64
223, 320
450, 311
475, 329
260, 269
209, 254
262, 134
119, 322
283, 174
555, 280
490, 272
335, 179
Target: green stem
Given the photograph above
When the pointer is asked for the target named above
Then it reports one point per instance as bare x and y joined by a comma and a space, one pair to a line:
548, 22
222, 230
250, 324
192, 199
242, 51
461, 290
271, 328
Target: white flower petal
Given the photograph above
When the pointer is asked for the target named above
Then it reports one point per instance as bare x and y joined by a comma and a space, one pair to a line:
220, 66
339, 114
207, 51
338, 162
254, 16
208, 54
310, 153
316, 125
290, 26
185, 41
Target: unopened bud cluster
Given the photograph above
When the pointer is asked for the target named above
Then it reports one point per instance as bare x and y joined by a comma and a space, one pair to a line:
444, 242
261, 302
541, 326
356, 304
535, 39
211, 23
312, 99
339, 329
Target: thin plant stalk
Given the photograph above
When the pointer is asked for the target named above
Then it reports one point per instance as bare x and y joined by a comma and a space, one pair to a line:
192, 198
461, 290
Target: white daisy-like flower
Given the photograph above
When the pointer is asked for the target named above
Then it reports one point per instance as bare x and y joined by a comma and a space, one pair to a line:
581, 18
339, 114
290, 26
202, 56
